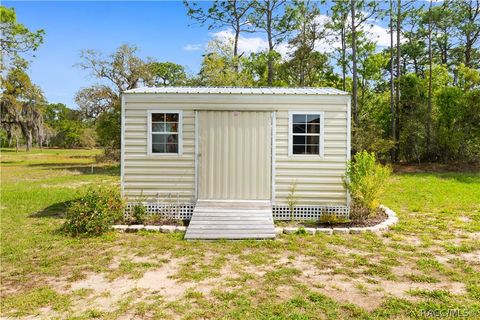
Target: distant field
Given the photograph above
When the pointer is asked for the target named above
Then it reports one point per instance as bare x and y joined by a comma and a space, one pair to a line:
429, 264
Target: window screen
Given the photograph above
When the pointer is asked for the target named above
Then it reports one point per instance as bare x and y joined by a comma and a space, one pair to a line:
165, 128
305, 134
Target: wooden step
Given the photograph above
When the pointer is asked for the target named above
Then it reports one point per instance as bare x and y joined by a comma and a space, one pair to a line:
231, 220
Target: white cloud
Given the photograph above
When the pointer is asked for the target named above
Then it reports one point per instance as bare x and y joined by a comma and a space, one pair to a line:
194, 47
284, 49
245, 44
256, 43
251, 44
374, 32
379, 34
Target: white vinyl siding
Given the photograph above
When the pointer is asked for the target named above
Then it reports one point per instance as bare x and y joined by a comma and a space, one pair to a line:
319, 179
168, 176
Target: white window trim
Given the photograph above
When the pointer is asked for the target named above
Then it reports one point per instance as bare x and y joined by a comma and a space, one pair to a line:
149, 133
321, 147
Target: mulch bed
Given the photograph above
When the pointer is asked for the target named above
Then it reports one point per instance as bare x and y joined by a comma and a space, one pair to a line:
370, 222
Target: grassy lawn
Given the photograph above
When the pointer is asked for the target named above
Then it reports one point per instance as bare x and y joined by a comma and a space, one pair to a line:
428, 264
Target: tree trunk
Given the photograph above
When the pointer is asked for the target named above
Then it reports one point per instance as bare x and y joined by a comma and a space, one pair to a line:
237, 29
303, 45
237, 36
235, 43
10, 137
29, 140
392, 87
270, 67
473, 14
430, 58
399, 73
344, 55
27, 134
445, 53
235, 47
354, 64
415, 66
468, 51
40, 138
270, 46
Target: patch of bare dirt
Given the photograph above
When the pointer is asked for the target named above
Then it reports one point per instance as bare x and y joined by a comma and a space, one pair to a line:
104, 294
400, 289
159, 280
403, 270
339, 289
474, 235
470, 257
414, 241
349, 251
285, 293
371, 296
465, 219
69, 185
368, 293
365, 291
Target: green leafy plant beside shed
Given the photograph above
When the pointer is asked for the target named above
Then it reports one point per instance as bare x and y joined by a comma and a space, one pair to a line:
94, 212
365, 180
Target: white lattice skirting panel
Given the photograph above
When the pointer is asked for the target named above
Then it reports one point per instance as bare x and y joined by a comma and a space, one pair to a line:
171, 211
309, 212
280, 212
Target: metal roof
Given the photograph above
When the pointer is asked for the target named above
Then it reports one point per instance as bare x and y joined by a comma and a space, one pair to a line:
238, 90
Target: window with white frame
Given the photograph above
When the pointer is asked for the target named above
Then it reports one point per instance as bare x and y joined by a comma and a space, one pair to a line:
306, 133
165, 132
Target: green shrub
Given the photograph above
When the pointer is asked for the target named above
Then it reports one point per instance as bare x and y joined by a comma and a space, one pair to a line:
301, 231
94, 212
365, 179
139, 212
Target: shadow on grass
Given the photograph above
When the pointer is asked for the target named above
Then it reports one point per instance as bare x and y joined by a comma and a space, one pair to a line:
82, 156
10, 150
111, 170
56, 211
9, 162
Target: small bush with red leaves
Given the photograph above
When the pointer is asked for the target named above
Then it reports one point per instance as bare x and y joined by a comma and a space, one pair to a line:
94, 212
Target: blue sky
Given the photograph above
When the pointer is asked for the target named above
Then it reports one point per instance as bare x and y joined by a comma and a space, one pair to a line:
160, 29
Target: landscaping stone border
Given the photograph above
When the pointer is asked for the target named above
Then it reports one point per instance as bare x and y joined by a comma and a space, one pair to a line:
381, 227
138, 227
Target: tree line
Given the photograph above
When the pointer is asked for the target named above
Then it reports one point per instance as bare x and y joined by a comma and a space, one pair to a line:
415, 100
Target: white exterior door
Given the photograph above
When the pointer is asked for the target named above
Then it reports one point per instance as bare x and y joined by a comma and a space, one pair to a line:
234, 155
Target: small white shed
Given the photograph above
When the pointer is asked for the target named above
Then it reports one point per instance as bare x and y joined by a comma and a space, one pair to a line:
185, 144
